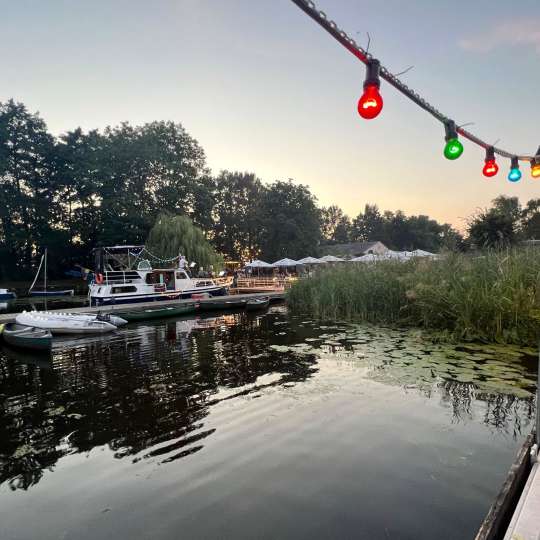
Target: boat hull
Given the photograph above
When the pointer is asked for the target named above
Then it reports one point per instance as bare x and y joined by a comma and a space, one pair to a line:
158, 313
8, 296
223, 304
66, 292
64, 325
257, 304
158, 297
26, 337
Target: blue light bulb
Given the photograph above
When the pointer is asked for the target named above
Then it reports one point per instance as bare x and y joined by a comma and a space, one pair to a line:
514, 175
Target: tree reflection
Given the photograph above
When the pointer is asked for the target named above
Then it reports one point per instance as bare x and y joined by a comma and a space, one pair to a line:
149, 387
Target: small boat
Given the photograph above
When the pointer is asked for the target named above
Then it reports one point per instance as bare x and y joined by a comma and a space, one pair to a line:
47, 292
64, 325
27, 337
159, 312
113, 319
5, 294
52, 292
215, 305
256, 304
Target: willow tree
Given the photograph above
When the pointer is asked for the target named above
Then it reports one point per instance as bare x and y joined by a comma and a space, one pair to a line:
176, 235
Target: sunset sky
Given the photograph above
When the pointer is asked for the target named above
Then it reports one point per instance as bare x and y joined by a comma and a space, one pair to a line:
265, 89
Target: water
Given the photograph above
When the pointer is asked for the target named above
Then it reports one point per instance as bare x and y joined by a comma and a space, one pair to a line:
266, 426
42, 304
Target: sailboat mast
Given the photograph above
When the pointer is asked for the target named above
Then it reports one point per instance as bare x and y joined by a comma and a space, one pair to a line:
45, 274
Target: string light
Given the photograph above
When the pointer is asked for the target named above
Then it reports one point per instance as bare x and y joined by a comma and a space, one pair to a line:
515, 174
535, 165
453, 148
490, 168
371, 103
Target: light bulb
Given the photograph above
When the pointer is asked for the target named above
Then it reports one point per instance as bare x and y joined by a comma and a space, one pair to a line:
490, 168
371, 102
515, 174
453, 149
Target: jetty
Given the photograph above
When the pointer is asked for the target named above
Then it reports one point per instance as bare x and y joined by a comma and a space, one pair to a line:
515, 513
110, 309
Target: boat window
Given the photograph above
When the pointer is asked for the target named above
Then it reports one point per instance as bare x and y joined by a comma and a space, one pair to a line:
119, 290
181, 275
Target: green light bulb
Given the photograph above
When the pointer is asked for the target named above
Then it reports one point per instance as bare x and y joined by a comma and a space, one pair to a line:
453, 149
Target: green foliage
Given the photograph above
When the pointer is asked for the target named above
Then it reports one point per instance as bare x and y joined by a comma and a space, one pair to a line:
290, 221
494, 297
237, 215
174, 235
336, 227
400, 232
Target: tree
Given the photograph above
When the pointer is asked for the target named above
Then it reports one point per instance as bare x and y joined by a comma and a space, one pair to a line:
290, 221
368, 226
174, 235
530, 219
27, 193
147, 170
80, 174
342, 232
498, 226
237, 215
335, 225
491, 229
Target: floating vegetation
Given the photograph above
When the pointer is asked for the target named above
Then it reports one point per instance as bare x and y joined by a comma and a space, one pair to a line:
398, 357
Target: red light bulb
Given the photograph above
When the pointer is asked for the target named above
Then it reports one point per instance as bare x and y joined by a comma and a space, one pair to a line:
490, 168
371, 102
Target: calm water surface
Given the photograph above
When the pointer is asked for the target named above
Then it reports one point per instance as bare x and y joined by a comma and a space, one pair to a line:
267, 426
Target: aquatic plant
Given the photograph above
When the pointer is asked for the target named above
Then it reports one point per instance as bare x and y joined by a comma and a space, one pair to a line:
490, 297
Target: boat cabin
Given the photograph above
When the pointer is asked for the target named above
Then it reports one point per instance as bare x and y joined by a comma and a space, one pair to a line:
124, 274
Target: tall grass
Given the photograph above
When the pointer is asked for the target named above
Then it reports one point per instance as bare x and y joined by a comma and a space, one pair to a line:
494, 297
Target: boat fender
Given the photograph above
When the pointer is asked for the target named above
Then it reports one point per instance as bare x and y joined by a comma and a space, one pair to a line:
99, 279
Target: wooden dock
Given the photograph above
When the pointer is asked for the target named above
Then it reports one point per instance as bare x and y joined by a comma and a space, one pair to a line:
515, 513
274, 297
525, 523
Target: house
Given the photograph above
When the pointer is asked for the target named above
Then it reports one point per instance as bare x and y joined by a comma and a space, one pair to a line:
355, 249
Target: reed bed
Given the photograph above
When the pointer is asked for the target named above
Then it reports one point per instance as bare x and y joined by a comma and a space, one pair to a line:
493, 297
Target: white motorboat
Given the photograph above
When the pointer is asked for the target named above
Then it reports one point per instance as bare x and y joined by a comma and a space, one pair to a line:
64, 325
124, 276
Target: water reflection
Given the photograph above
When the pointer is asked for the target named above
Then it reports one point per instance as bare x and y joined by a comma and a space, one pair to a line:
147, 391
142, 388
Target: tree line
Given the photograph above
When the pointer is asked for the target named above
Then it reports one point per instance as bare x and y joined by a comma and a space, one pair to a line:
80, 190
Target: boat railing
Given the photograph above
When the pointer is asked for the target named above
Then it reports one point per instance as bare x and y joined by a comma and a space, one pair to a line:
120, 277
263, 284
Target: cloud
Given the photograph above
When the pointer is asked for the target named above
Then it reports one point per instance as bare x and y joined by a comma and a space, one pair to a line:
524, 32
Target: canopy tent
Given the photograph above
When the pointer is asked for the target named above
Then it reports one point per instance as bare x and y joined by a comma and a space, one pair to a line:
369, 257
331, 258
258, 264
422, 253
399, 255
310, 260
286, 262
